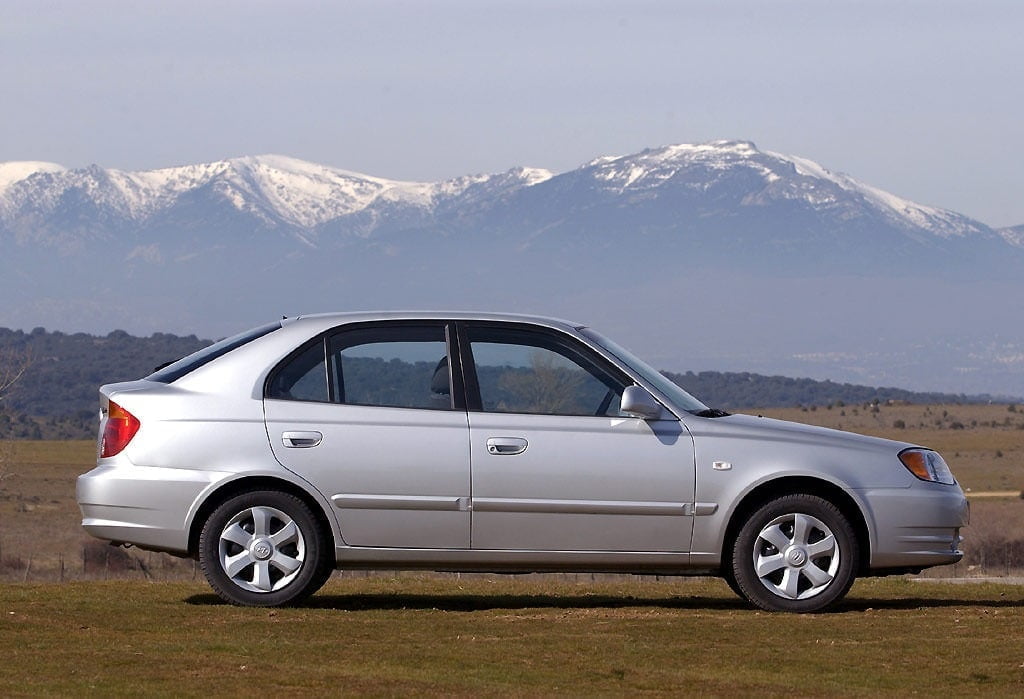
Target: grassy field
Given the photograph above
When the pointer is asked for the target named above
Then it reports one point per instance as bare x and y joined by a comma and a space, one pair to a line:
533, 636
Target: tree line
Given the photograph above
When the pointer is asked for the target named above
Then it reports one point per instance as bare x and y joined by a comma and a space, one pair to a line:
744, 391
55, 395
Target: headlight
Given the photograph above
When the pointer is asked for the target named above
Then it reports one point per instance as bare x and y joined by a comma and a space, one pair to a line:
927, 465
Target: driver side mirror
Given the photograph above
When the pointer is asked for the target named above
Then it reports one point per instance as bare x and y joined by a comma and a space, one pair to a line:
637, 402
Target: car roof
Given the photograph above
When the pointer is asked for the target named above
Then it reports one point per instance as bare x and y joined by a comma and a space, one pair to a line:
370, 316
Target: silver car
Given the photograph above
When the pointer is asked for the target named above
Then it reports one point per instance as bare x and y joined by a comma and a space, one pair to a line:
502, 443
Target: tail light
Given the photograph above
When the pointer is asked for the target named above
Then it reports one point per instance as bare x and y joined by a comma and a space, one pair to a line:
118, 430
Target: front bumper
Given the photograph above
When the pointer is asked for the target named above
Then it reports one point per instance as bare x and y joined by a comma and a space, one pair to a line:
917, 527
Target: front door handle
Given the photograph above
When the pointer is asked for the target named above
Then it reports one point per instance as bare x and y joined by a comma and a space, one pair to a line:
301, 440
506, 445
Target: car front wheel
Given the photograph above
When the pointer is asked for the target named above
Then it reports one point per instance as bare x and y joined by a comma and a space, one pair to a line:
797, 553
264, 548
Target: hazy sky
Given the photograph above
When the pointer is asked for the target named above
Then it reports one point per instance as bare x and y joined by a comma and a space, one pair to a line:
920, 98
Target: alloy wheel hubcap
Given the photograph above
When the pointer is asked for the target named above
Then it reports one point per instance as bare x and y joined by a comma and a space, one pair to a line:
261, 549
796, 556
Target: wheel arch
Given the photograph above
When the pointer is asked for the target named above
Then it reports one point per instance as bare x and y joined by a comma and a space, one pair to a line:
792, 485
247, 485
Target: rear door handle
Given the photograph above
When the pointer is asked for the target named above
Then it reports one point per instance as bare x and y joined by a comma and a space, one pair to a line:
501, 446
301, 440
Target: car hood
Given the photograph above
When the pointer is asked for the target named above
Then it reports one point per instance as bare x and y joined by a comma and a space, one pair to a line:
763, 428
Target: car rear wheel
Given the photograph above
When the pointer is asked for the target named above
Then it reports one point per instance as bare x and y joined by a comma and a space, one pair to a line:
264, 549
797, 553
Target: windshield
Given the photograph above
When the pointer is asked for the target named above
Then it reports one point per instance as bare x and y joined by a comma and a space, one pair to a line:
655, 378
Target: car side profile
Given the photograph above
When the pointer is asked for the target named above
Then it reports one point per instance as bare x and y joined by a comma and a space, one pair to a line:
493, 443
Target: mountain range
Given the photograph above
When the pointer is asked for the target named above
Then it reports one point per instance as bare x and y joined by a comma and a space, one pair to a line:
702, 256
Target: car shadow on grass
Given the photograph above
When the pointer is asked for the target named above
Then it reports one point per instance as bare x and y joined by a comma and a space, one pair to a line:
475, 603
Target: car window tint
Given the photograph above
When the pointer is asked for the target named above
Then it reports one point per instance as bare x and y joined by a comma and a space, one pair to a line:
402, 367
540, 377
303, 377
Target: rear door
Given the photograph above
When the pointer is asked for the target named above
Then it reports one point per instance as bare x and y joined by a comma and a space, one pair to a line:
367, 415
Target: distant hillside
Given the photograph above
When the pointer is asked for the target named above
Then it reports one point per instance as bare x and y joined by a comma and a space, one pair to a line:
60, 387
57, 396
745, 391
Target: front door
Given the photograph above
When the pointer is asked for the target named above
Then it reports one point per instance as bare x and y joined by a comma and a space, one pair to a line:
366, 415
555, 465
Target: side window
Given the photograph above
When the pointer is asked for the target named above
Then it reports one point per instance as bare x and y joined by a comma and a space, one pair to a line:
526, 372
397, 366
303, 377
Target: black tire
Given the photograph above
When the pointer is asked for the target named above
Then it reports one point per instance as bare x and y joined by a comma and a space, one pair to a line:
264, 549
807, 550
324, 572
730, 579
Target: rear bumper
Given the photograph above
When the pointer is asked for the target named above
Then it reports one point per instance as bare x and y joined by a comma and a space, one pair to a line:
147, 506
917, 527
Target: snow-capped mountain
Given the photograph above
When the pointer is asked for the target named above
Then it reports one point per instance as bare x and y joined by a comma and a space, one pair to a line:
723, 243
680, 187
19, 170
269, 191
770, 177
1014, 235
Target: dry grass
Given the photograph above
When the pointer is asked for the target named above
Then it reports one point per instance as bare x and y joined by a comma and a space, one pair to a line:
41, 537
38, 515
